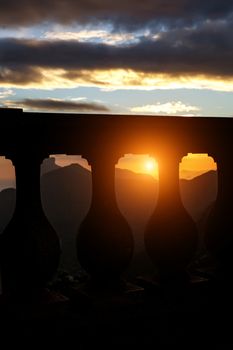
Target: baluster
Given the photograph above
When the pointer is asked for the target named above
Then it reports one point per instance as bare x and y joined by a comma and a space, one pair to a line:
171, 235
0, 283
219, 230
105, 241
30, 248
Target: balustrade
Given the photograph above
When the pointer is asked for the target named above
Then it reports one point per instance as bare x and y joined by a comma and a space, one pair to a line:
29, 247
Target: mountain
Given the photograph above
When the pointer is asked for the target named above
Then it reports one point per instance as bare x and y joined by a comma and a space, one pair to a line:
136, 195
197, 194
190, 174
7, 206
49, 164
66, 198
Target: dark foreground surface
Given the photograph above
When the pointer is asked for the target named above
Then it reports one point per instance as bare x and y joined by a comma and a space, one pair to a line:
193, 314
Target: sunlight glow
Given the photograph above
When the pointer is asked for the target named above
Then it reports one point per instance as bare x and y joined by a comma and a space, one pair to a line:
192, 165
195, 164
150, 165
139, 163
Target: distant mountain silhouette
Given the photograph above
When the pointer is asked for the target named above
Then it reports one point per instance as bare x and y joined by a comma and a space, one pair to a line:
66, 198
190, 174
197, 194
136, 195
49, 164
7, 206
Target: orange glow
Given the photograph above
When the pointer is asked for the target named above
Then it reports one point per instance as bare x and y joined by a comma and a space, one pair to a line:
149, 165
64, 160
191, 166
195, 164
139, 163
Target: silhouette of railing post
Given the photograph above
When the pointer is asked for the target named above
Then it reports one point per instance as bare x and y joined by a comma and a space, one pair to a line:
171, 235
105, 241
30, 248
219, 230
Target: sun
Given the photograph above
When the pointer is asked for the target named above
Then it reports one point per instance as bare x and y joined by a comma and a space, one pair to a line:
139, 163
150, 165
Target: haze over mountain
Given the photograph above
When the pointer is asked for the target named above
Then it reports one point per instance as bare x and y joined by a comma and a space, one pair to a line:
66, 198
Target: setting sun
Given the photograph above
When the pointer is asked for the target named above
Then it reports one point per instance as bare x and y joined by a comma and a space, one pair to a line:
139, 163
149, 166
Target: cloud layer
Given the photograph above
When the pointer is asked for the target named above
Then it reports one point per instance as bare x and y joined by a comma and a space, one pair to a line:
118, 44
131, 12
205, 50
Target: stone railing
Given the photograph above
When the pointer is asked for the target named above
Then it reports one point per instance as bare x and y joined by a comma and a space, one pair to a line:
29, 247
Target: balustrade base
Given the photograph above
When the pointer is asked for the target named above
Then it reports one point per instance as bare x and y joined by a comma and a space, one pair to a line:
33, 304
159, 287
119, 319
108, 294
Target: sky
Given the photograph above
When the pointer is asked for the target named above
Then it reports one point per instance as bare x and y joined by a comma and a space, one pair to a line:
191, 165
155, 57
97, 56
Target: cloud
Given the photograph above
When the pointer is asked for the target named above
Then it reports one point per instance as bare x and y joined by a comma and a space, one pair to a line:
57, 105
92, 35
6, 93
180, 51
192, 57
180, 56
174, 107
131, 12
110, 80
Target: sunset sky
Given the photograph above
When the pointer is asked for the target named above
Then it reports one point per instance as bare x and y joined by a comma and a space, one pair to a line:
96, 56
191, 166
151, 57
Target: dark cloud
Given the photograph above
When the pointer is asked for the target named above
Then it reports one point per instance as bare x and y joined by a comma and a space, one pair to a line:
207, 49
27, 12
59, 105
19, 75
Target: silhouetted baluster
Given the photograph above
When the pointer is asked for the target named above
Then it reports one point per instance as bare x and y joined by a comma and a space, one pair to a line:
30, 248
219, 231
105, 241
171, 236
